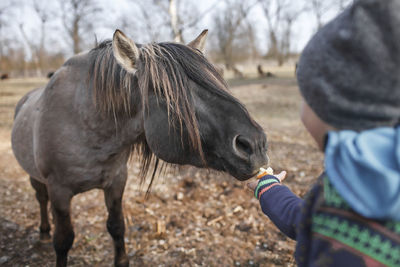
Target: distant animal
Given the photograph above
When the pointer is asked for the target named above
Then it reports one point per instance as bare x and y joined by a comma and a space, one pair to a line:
270, 75
263, 74
4, 76
237, 73
260, 71
50, 74
164, 101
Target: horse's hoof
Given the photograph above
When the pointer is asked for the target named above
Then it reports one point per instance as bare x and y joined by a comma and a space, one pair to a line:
122, 263
45, 238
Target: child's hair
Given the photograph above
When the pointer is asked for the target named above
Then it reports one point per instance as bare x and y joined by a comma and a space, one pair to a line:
349, 73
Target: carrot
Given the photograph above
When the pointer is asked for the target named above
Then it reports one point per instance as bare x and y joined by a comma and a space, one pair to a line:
263, 172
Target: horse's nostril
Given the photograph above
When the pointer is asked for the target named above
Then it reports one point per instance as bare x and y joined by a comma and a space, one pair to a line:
242, 146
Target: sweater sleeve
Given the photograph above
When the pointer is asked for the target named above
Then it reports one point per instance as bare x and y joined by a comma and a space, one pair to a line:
280, 205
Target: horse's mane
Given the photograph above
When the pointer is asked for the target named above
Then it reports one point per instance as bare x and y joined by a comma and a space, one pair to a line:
167, 68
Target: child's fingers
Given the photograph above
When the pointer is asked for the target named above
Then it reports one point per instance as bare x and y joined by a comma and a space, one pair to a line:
281, 176
252, 185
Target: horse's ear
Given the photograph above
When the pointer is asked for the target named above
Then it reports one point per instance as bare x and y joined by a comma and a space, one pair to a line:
125, 51
200, 42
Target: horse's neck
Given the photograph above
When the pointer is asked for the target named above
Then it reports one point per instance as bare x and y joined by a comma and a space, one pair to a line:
121, 129
130, 130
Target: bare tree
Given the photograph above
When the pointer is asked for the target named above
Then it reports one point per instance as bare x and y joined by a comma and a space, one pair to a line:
230, 28
182, 15
156, 17
280, 16
32, 50
151, 26
273, 15
36, 43
285, 42
78, 16
175, 21
5, 8
44, 14
147, 26
320, 7
252, 39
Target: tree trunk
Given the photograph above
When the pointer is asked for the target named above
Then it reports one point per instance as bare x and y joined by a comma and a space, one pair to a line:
281, 60
173, 12
41, 52
75, 36
32, 50
1, 43
273, 50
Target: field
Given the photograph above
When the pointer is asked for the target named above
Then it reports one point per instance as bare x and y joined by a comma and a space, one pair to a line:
193, 217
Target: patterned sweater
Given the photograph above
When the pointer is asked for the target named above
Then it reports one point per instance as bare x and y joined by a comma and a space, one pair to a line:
327, 231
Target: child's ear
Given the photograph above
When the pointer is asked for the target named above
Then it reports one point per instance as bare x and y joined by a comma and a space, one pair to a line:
125, 51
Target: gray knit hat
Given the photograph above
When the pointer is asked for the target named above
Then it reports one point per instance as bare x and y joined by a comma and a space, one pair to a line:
349, 73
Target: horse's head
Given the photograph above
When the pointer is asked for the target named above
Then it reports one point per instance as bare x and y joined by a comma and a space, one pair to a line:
189, 115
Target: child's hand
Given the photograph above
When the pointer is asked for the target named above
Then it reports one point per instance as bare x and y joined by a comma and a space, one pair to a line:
252, 185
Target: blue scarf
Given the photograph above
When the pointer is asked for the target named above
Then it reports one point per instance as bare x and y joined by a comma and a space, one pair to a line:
365, 169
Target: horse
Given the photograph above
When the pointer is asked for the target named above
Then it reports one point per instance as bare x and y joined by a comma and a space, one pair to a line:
163, 101
50, 74
262, 74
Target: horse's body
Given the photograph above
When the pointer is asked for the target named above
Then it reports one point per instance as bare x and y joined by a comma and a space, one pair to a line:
67, 135
78, 132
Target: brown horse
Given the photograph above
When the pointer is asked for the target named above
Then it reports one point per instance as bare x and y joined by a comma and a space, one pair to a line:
164, 101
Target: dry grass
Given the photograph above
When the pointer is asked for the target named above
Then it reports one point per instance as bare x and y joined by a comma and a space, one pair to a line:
209, 219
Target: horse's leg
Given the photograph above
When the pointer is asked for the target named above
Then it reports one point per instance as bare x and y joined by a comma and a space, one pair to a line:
115, 222
43, 198
63, 237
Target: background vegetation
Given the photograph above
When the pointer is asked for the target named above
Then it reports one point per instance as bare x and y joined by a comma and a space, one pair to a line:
36, 36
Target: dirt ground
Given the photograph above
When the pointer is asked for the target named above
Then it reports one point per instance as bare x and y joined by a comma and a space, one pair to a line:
193, 218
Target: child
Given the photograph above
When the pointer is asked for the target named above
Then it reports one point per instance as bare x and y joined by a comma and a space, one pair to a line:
349, 76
